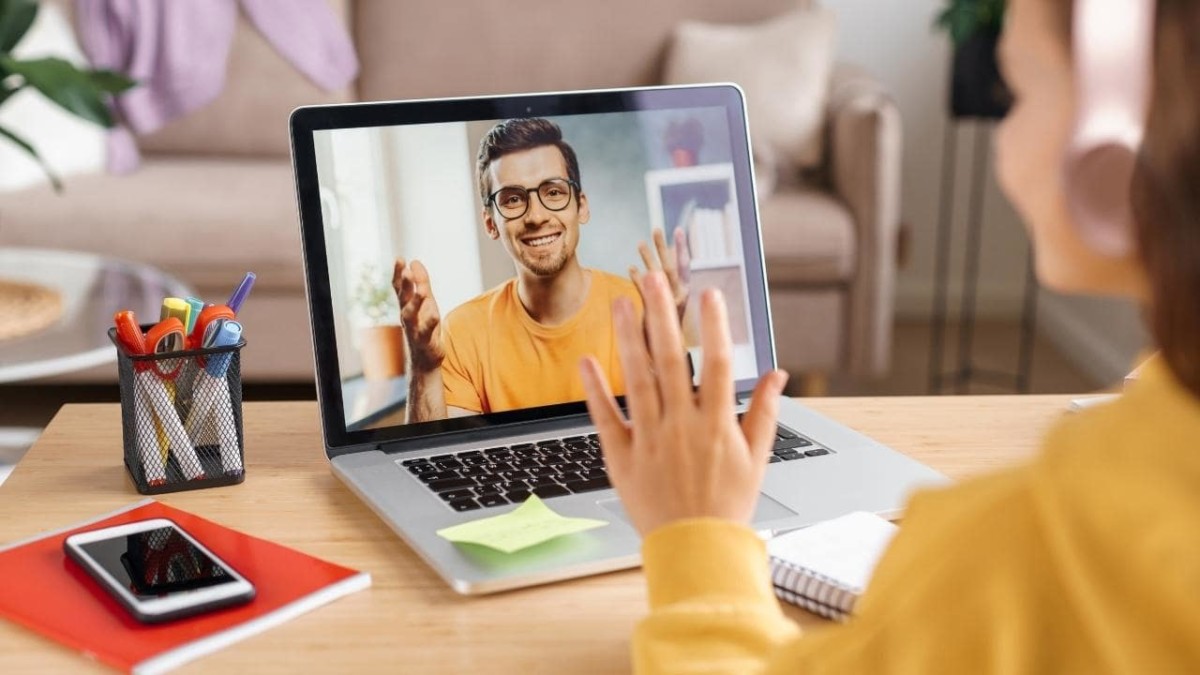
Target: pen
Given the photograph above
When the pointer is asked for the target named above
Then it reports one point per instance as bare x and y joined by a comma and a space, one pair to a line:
213, 405
166, 337
243, 290
129, 335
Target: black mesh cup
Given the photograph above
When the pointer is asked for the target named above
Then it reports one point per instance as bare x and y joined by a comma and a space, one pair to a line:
181, 417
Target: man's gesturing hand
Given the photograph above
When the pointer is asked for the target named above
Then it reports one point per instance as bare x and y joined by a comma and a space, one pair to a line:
674, 261
681, 454
418, 315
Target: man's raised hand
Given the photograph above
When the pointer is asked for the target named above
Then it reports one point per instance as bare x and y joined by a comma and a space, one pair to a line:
418, 315
674, 261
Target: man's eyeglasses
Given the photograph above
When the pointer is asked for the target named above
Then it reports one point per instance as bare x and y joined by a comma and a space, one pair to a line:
513, 202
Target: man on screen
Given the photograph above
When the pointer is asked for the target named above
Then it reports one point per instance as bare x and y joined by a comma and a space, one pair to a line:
519, 344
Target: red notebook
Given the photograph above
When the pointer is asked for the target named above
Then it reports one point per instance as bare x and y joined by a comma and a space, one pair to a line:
57, 598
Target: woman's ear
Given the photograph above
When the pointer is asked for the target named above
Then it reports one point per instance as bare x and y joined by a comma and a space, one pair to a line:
1098, 184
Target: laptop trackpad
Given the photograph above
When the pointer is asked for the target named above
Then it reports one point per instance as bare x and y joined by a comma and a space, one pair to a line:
767, 509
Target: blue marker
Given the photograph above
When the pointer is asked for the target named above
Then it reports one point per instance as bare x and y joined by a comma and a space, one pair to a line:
243, 290
212, 412
228, 334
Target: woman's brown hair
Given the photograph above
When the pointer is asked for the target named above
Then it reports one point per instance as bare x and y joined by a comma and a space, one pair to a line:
1166, 186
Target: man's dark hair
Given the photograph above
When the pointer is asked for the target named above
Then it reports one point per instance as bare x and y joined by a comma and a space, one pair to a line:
521, 134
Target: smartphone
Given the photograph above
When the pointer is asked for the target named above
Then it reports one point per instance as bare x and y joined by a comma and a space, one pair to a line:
157, 571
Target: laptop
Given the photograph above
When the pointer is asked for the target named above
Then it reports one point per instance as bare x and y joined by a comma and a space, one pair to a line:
518, 220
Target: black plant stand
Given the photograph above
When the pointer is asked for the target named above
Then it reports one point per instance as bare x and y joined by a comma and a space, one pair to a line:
965, 370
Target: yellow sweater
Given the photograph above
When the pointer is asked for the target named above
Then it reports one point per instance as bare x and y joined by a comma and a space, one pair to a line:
1085, 561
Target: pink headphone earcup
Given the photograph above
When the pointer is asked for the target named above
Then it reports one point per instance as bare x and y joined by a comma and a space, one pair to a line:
1112, 46
1099, 183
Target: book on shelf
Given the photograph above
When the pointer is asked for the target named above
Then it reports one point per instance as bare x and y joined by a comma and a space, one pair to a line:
59, 600
825, 568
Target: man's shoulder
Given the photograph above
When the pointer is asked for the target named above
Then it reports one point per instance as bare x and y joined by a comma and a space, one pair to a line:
615, 283
479, 307
613, 286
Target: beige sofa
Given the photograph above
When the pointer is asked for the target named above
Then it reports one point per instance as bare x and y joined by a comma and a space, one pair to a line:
214, 197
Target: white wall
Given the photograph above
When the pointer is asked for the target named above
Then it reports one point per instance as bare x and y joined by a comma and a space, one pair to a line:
895, 41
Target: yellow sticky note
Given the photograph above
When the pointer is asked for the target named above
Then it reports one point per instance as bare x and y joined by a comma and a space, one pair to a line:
529, 524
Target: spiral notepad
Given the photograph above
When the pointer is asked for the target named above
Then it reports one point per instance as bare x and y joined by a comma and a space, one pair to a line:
825, 568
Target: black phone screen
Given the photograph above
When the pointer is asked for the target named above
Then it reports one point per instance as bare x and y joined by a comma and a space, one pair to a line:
157, 562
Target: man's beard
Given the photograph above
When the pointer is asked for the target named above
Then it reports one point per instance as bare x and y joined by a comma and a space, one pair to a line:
547, 267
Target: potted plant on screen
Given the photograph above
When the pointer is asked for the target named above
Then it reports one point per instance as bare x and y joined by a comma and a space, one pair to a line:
976, 87
381, 340
83, 93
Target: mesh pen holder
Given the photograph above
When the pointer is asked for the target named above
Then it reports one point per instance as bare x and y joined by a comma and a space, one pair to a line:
181, 416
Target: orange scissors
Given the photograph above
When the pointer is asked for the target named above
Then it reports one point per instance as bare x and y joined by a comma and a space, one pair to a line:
208, 325
164, 337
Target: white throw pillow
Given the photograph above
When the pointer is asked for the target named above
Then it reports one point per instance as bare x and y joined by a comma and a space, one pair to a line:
68, 144
782, 64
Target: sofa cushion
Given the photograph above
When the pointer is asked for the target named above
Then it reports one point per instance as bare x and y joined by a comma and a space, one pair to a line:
206, 221
523, 45
783, 66
808, 237
250, 116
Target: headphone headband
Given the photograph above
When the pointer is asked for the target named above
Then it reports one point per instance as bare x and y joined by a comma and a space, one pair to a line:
1113, 52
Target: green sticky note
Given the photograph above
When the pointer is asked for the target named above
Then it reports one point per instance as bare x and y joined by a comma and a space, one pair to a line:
529, 524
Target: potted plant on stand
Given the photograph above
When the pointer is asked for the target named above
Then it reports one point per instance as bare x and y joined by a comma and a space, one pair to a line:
976, 87
381, 340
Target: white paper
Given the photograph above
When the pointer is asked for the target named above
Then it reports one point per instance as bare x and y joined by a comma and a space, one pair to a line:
845, 549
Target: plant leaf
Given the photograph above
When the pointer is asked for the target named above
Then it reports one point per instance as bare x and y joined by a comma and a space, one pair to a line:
16, 16
110, 80
24, 145
6, 92
66, 85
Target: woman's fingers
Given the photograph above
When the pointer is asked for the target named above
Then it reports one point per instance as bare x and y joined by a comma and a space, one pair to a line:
759, 422
610, 424
716, 377
666, 343
641, 391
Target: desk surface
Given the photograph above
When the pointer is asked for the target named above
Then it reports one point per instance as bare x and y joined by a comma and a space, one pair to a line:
409, 620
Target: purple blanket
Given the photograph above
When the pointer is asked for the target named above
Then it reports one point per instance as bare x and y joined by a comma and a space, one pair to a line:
177, 52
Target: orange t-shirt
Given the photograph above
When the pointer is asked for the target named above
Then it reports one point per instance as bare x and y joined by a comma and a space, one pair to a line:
498, 358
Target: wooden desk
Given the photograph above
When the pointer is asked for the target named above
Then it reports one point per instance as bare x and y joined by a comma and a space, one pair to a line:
409, 620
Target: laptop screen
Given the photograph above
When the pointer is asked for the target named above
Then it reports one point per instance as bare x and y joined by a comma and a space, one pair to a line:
466, 264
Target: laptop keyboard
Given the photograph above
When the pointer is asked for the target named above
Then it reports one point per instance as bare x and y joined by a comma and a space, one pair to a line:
475, 479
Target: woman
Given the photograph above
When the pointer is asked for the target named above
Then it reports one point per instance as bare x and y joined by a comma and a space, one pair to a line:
1086, 560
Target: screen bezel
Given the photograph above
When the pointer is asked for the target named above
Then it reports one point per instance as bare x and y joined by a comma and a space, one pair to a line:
306, 120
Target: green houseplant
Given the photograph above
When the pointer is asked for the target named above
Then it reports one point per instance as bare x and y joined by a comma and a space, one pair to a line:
83, 93
382, 339
976, 87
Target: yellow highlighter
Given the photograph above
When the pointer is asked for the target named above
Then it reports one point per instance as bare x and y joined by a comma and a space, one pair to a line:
178, 308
